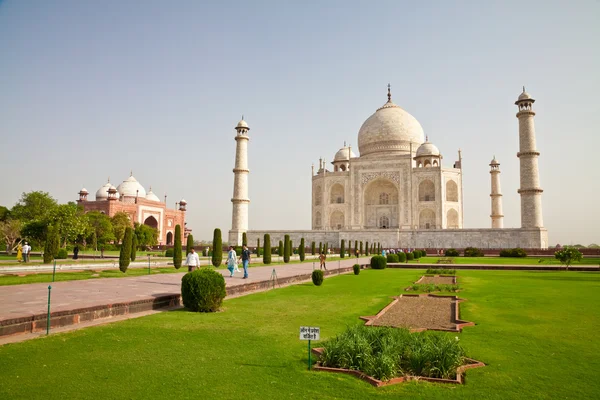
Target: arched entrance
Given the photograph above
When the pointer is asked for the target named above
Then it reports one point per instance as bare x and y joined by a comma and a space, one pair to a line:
169, 238
381, 205
151, 222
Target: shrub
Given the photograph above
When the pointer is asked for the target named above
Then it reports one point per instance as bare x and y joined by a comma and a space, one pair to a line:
517, 253
317, 277
62, 254
286, 249
203, 290
410, 256
416, 254
378, 262
189, 244
451, 253
343, 249
267, 250
217, 254
473, 252
313, 248
385, 352
356, 269
393, 258
169, 253
134, 245
401, 256
125, 254
568, 255
301, 250
177, 248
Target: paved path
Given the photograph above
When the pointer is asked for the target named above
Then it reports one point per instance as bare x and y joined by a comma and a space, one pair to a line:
31, 299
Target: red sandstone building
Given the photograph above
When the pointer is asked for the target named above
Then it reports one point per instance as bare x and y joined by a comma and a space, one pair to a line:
131, 198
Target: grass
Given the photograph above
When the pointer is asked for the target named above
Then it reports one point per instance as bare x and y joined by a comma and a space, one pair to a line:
536, 331
509, 260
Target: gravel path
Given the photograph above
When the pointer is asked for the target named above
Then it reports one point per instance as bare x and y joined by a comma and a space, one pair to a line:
420, 312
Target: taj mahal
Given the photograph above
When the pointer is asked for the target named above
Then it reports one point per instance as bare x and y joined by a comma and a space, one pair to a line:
399, 192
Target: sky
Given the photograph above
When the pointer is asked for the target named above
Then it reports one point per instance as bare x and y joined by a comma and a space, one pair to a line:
92, 89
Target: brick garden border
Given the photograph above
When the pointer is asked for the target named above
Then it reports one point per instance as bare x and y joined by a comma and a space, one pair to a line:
458, 322
460, 378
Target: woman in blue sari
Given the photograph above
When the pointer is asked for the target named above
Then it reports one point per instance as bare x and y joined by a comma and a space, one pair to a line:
231, 260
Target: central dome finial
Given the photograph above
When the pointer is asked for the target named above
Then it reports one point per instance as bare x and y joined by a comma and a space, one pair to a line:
389, 93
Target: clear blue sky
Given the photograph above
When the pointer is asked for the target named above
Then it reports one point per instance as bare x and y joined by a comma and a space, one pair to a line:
91, 89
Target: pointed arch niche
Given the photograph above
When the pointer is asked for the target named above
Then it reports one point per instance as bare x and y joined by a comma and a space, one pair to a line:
381, 205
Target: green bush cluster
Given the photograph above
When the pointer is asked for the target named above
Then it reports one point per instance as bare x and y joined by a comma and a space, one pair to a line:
393, 258
62, 254
401, 257
430, 287
410, 256
473, 252
440, 271
451, 253
317, 277
169, 253
203, 290
356, 269
516, 252
378, 262
385, 353
417, 254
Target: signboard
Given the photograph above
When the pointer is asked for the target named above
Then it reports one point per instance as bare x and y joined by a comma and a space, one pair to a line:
310, 333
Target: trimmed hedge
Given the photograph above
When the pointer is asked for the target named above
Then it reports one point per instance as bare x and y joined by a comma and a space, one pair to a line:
62, 254
203, 290
317, 277
267, 251
217, 253
356, 269
169, 253
516, 252
410, 256
378, 262
393, 258
177, 248
451, 253
401, 256
416, 254
473, 252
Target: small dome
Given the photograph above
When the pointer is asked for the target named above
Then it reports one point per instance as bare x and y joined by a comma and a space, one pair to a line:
242, 124
182, 201
494, 161
83, 191
428, 149
102, 193
524, 96
131, 188
342, 154
151, 196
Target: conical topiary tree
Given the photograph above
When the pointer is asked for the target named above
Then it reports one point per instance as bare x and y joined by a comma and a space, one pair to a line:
312, 248
286, 249
325, 247
301, 250
50, 245
244, 239
134, 245
280, 249
355, 245
217, 254
320, 247
125, 254
189, 245
267, 252
366, 248
361, 248
257, 247
343, 249
177, 247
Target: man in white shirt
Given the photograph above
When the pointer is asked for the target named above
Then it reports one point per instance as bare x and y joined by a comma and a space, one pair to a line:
26, 250
192, 260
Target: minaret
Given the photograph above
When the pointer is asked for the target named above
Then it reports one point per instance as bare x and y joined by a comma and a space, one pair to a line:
239, 220
530, 191
496, 195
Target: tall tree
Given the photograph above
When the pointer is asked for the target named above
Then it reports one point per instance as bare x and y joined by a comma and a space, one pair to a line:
301, 250
189, 245
146, 235
568, 255
366, 248
125, 254
257, 247
286, 249
267, 251
134, 246
177, 247
70, 221
361, 248
217, 254
280, 250
120, 222
11, 232
244, 239
51, 245
312, 248
100, 225
33, 206
343, 249
355, 245
320, 247
4, 213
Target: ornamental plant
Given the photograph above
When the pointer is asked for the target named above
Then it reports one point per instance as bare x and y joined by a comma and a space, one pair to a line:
343, 249
473, 252
286, 249
355, 245
301, 251
451, 253
203, 290
267, 251
258, 247
177, 249
356, 269
568, 255
361, 247
317, 277
244, 239
134, 244
366, 248
401, 256
320, 247
189, 245
217, 253
312, 248
62, 254
410, 256
169, 253
392, 258
50, 246
378, 262
125, 254
280, 249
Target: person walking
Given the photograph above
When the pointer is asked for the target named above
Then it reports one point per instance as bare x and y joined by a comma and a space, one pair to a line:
75, 252
26, 250
19, 253
322, 258
231, 261
192, 260
245, 260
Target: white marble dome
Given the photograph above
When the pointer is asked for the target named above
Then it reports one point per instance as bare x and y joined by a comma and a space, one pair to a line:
151, 196
102, 193
131, 188
390, 130
427, 149
342, 154
242, 124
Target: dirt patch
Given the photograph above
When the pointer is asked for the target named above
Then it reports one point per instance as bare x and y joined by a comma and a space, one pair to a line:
437, 280
421, 312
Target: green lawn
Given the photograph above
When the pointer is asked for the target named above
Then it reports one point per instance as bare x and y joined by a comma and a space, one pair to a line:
537, 331
509, 260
